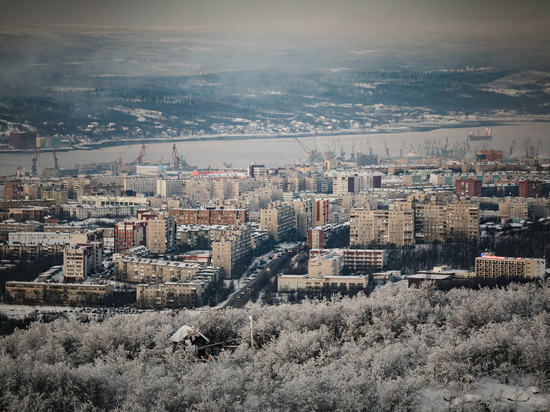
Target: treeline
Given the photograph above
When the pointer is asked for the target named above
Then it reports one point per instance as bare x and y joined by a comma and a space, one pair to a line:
380, 353
529, 242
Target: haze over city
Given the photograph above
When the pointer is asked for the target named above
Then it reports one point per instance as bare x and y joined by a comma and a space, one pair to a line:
274, 205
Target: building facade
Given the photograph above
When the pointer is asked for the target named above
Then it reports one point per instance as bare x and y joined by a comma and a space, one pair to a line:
381, 227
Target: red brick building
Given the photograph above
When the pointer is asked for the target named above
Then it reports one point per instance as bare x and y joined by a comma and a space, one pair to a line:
468, 187
129, 234
530, 188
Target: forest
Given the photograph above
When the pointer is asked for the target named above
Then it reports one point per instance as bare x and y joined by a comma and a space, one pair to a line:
391, 351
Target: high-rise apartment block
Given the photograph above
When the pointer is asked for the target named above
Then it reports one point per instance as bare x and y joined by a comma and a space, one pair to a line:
161, 235
278, 220
232, 250
321, 212
381, 227
440, 222
343, 185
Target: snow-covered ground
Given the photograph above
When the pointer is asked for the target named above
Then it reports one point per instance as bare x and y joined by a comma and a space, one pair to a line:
513, 396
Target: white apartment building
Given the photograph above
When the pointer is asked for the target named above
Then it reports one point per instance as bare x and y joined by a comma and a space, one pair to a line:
37, 238
169, 187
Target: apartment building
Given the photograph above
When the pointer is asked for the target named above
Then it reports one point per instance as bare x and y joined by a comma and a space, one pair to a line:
330, 263
321, 237
321, 212
24, 213
6, 205
77, 262
304, 283
13, 226
59, 196
278, 220
59, 294
83, 212
32, 252
232, 251
170, 295
154, 271
113, 200
381, 227
169, 187
468, 188
491, 266
357, 260
342, 185
218, 216
304, 214
161, 235
440, 222
530, 188
13, 190
129, 234
140, 184
462, 221
372, 181
37, 238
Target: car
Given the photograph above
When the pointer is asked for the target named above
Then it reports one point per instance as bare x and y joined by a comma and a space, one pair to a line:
242, 293
254, 276
268, 270
238, 297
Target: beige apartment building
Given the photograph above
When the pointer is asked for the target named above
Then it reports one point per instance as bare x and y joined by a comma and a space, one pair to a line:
462, 221
59, 294
170, 295
161, 235
278, 220
381, 227
232, 250
153, 271
297, 283
328, 264
491, 266
77, 263
440, 222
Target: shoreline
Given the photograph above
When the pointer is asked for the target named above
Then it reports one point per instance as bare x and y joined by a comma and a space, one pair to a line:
115, 143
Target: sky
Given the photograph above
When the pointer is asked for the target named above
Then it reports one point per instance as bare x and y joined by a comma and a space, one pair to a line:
261, 13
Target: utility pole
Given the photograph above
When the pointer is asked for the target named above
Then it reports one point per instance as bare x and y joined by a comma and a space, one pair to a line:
251, 333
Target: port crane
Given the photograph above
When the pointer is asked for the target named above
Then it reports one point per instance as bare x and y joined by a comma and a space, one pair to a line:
352, 155
176, 156
311, 154
142, 152
512, 147
55, 160
35, 162
342, 152
403, 150
369, 147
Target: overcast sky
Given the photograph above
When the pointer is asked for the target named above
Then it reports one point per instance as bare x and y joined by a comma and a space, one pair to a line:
254, 13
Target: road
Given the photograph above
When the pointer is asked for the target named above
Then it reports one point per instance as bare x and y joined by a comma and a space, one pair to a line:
240, 298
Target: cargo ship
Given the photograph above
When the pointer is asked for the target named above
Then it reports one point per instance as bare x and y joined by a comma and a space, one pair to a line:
487, 136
